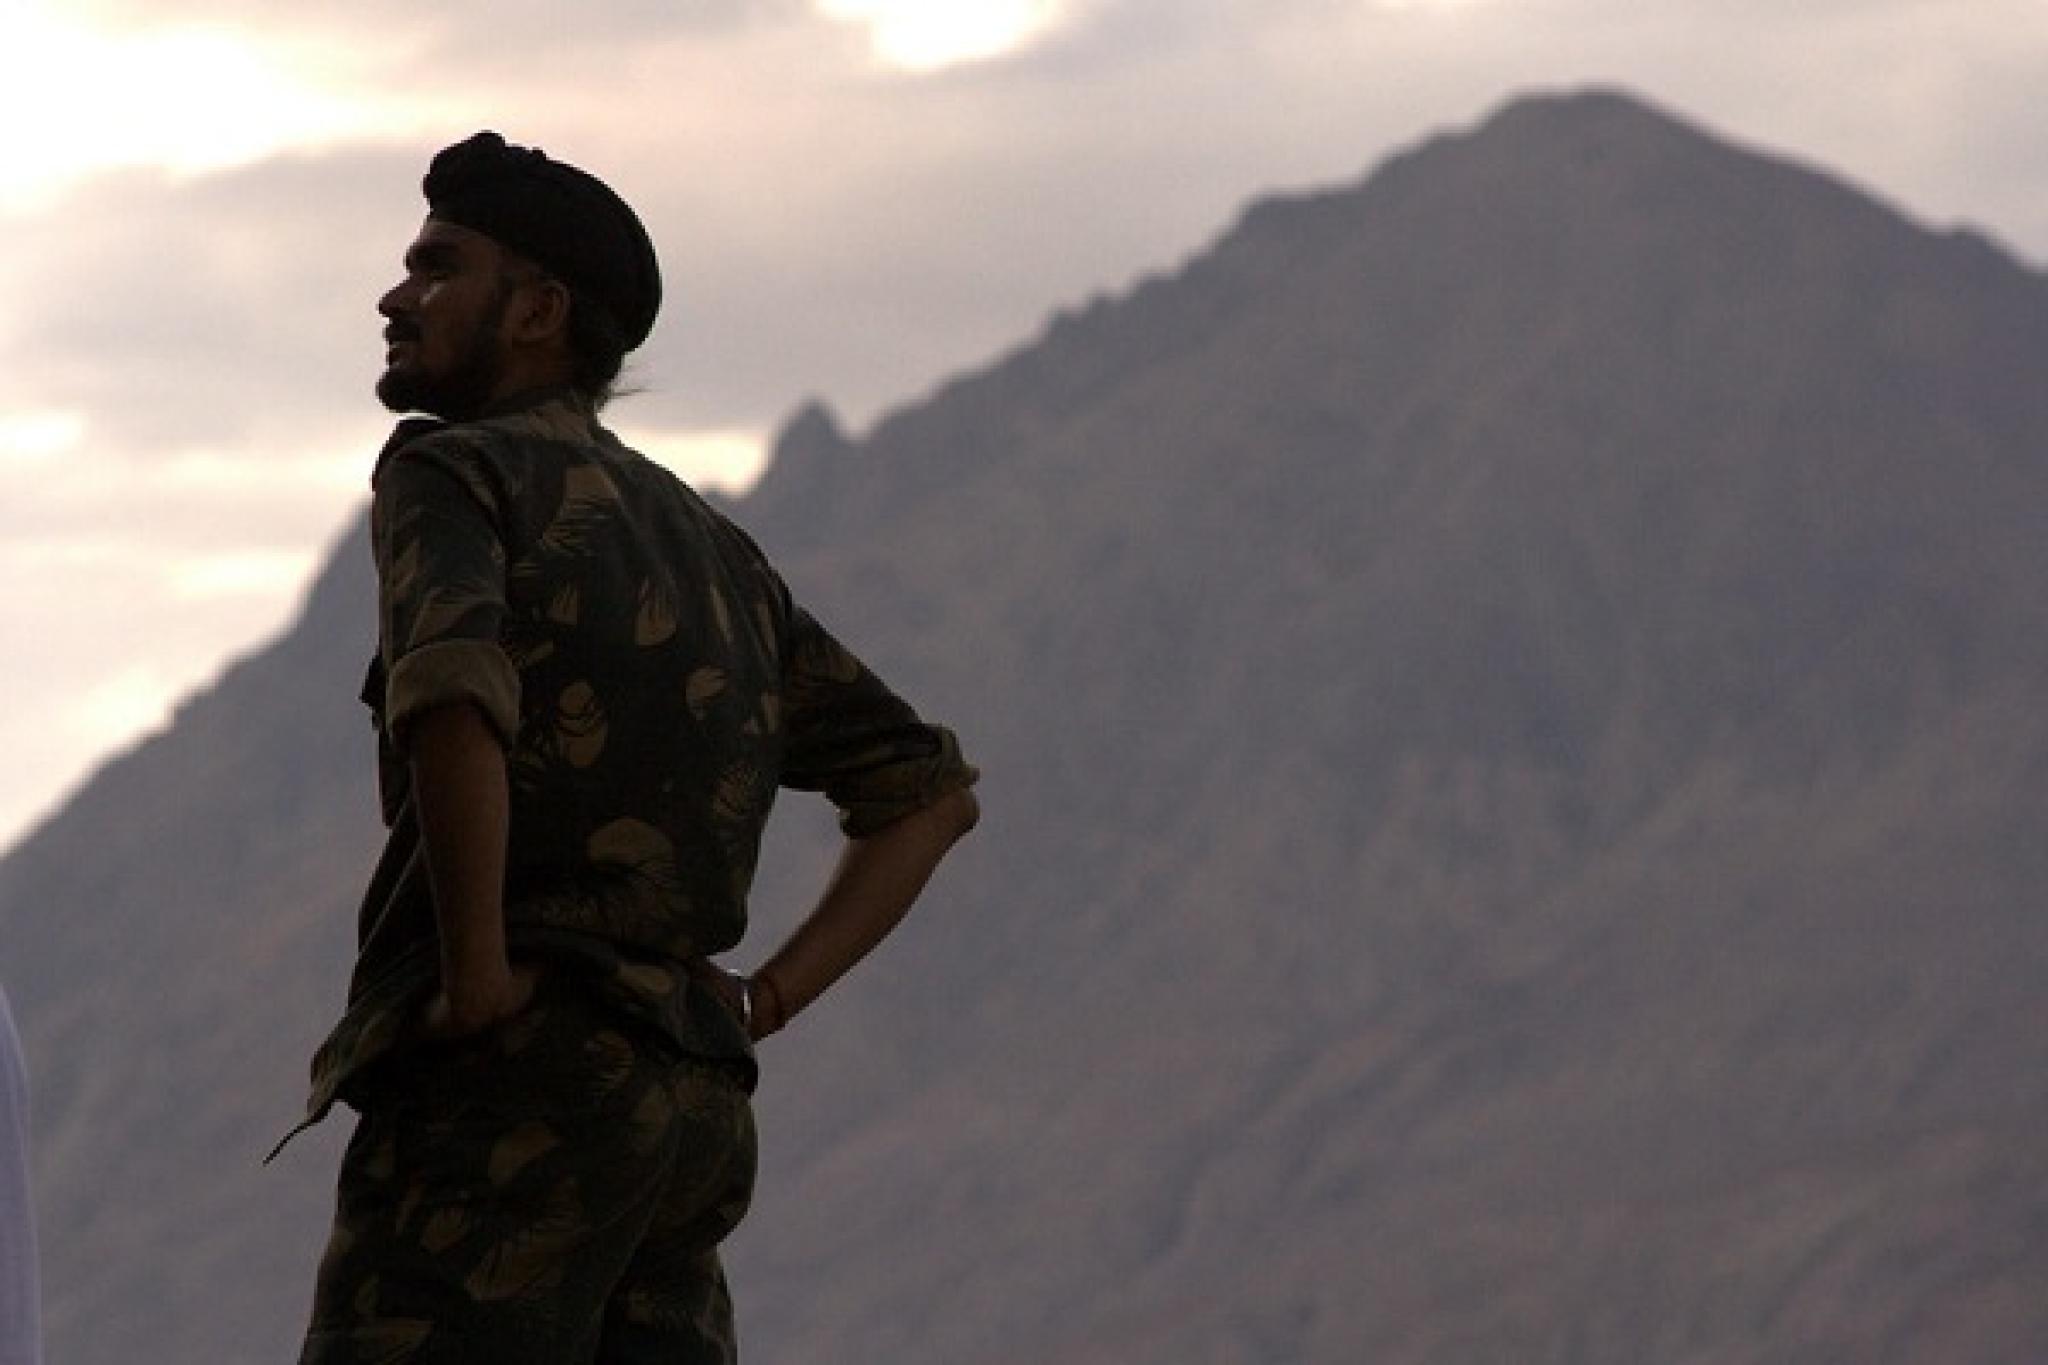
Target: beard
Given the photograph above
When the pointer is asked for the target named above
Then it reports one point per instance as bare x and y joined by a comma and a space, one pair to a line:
460, 390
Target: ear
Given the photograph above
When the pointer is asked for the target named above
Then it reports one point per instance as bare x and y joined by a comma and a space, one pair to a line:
540, 310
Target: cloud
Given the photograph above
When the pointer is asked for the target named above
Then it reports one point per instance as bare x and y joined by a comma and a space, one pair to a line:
931, 35
457, 25
204, 311
37, 435
85, 98
807, 205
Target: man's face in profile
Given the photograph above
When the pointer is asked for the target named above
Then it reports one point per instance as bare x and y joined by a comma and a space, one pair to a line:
443, 350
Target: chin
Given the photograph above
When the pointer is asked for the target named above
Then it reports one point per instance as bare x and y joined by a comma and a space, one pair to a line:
394, 389
452, 393
403, 391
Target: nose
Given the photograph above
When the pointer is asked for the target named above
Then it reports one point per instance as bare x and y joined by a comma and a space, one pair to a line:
393, 302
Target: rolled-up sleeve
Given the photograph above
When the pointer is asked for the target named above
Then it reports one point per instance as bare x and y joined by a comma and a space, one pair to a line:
860, 744
441, 588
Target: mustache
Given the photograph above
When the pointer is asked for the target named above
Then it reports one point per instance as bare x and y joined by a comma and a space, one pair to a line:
400, 331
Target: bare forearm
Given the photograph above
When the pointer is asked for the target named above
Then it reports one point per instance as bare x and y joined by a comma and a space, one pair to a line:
460, 785
874, 885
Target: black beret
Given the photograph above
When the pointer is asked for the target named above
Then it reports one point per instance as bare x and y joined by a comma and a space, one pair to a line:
566, 220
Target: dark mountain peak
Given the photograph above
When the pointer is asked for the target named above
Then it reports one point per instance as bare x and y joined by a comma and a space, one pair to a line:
1597, 162
1538, 130
813, 435
809, 471
1593, 114
1560, 221
1553, 264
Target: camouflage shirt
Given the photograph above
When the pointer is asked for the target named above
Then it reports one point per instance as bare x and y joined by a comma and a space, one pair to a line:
653, 683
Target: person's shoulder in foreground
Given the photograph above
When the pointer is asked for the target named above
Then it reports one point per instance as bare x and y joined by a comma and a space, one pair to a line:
20, 1337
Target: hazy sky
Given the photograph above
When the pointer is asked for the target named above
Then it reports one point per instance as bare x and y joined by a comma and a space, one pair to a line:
200, 201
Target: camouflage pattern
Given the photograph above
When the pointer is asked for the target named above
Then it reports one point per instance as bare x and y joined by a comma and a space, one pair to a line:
558, 1187
553, 1190
655, 684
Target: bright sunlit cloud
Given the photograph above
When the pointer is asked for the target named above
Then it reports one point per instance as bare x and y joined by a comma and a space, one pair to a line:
226, 473
730, 461
86, 99
926, 35
32, 437
125, 706
264, 574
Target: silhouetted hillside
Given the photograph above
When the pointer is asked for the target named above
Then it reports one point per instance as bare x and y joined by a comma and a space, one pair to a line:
1511, 703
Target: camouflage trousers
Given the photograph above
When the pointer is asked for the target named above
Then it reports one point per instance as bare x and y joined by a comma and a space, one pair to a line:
553, 1190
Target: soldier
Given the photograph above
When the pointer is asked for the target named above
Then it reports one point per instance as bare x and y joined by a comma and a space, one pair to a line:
589, 686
